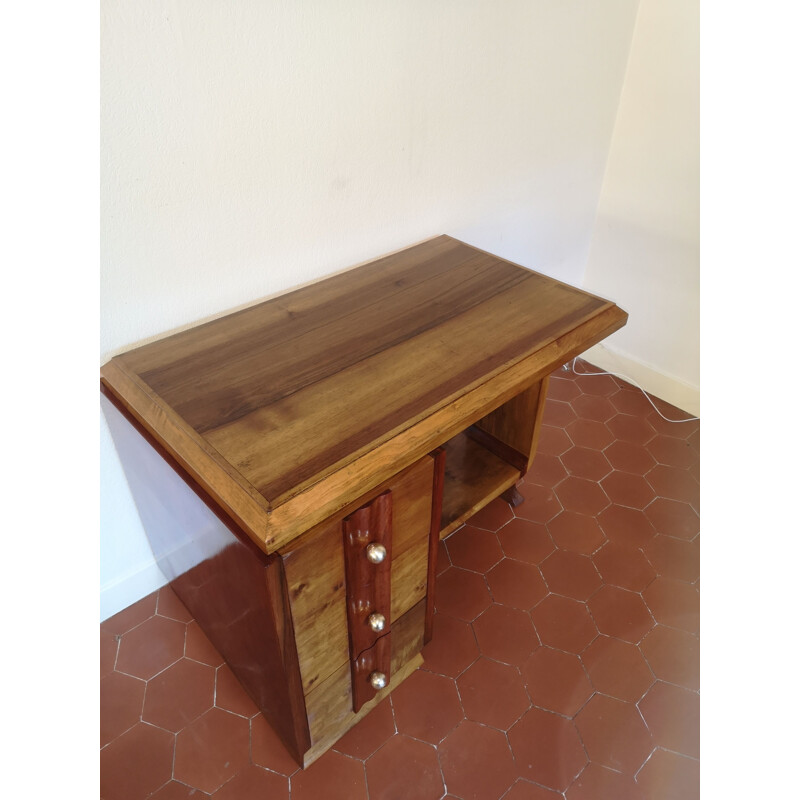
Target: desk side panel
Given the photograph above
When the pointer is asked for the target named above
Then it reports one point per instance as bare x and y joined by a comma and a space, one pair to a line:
235, 592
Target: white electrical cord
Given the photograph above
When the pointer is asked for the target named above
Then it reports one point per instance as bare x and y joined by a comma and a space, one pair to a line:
631, 380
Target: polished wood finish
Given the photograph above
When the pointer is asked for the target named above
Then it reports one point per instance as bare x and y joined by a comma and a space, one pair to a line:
368, 590
262, 399
288, 417
439, 460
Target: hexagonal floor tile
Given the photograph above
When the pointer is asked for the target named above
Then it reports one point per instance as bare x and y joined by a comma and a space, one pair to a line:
597, 782
540, 503
267, 750
626, 526
547, 470
136, 763
547, 749
581, 495
675, 558
673, 518
674, 603
516, 584
404, 767
426, 706
493, 693
556, 681
670, 776
673, 656
452, 648
332, 776
571, 575
121, 698
629, 457
505, 634
674, 484
254, 782
476, 762
673, 716
179, 695
614, 734
578, 533
627, 489
473, 548
461, 593
563, 623
151, 647
620, 613
588, 433
623, 566
617, 668
366, 736
631, 428
582, 462
492, 516
525, 541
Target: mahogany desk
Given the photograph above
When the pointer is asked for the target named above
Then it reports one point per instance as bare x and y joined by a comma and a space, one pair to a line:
325, 440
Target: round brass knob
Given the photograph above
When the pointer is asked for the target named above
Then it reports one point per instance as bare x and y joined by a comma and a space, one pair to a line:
377, 680
376, 621
376, 553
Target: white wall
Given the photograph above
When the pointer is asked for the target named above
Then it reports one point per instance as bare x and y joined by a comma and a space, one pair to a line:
248, 147
645, 251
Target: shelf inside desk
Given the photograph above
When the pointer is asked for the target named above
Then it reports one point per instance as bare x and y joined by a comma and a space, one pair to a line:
473, 477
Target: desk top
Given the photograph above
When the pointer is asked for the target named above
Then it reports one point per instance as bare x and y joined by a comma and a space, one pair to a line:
276, 406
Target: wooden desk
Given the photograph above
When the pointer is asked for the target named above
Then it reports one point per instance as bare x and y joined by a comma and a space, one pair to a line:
381, 406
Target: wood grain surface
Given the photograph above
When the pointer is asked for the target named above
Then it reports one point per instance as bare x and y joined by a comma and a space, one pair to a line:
288, 410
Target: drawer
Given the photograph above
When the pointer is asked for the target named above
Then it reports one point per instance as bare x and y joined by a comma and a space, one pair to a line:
316, 579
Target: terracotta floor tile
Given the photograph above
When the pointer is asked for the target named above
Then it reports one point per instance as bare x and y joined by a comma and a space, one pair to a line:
426, 706
151, 647
121, 698
168, 605
174, 790
556, 681
553, 441
674, 603
675, 484
505, 634
473, 548
402, 768
630, 400
680, 430
631, 428
522, 790
267, 750
597, 782
571, 575
672, 452
627, 489
627, 526
476, 762
525, 541
362, 740
600, 385
594, 407
675, 558
540, 503
563, 386
109, 644
516, 584
620, 613
462, 594
492, 516
199, 648
332, 776
558, 413
133, 615
179, 695
628, 457
578, 533
670, 776
442, 558
673, 716
136, 763
547, 749
583, 462
453, 646
673, 518
614, 734
581, 495
254, 783
210, 751
588, 433
546, 470
623, 566
493, 694
563, 623
673, 655
617, 668
230, 694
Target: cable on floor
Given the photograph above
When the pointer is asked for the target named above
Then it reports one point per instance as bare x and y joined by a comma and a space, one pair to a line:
631, 380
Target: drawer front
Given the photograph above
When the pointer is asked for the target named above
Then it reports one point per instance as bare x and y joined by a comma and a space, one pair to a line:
316, 582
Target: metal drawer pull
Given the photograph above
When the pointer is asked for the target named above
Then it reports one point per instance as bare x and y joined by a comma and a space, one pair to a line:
377, 680
377, 622
376, 553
